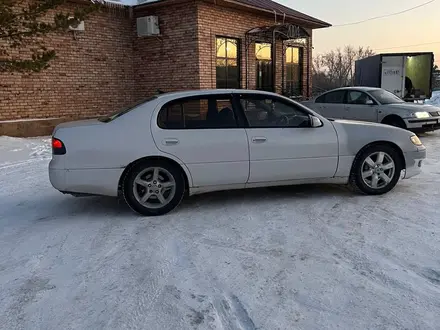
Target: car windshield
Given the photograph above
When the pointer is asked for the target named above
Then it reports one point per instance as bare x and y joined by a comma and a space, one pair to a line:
113, 116
385, 97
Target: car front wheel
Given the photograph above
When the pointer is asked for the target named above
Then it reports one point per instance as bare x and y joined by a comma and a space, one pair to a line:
376, 170
396, 122
153, 188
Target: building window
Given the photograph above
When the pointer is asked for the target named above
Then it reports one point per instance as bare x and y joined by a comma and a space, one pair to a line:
227, 63
294, 70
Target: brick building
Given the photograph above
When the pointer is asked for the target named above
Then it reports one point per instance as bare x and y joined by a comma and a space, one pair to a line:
123, 56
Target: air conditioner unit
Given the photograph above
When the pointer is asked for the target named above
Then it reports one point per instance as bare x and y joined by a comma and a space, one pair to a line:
147, 26
79, 26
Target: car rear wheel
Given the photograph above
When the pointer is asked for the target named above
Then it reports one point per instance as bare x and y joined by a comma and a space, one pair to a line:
153, 188
376, 170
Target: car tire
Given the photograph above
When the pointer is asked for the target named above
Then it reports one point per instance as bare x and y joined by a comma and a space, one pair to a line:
376, 170
396, 122
153, 188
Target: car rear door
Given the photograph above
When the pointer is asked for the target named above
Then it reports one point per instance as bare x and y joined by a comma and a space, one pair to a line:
282, 150
356, 107
205, 134
331, 104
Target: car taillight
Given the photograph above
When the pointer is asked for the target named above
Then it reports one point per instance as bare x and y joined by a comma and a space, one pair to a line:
58, 147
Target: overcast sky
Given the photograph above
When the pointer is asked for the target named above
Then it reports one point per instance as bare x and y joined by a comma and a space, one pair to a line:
412, 28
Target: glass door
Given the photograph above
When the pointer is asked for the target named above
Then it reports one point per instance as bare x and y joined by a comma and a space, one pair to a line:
264, 67
294, 71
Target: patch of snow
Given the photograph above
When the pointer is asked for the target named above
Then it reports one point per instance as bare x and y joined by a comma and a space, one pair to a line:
306, 257
14, 149
41, 150
435, 99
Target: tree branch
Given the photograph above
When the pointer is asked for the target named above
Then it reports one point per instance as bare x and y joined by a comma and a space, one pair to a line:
22, 26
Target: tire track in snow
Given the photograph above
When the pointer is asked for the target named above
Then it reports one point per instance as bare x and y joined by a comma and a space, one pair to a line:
228, 312
149, 289
18, 164
232, 314
242, 249
361, 257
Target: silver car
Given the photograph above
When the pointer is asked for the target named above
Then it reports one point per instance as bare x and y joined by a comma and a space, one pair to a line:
194, 142
376, 105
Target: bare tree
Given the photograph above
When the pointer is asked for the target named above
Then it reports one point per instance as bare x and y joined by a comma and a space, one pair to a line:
336, 68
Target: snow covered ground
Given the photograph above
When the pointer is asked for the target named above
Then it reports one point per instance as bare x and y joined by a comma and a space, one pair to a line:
313, 257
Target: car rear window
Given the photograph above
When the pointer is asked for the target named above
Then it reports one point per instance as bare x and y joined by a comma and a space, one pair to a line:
107, 119
332, 97
214, 111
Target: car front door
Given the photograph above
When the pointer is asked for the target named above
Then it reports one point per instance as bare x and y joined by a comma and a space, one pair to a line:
204, 133
331, 104
282, 144
360, 106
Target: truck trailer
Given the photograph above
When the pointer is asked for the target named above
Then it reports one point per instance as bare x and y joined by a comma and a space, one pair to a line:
407, 75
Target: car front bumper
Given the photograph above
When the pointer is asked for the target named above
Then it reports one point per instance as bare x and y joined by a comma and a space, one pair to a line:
414, 162
423, 125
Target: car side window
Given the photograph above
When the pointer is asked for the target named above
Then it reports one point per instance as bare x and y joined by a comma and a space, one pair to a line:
334, 97
320, 99
356, 97
265, 111
198, 113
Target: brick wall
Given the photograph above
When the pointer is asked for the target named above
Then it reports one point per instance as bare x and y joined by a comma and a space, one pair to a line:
228, 22
168, 62
107, 67
92, 75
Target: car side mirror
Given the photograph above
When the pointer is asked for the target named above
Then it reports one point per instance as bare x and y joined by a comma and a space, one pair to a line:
369, 102
315, 122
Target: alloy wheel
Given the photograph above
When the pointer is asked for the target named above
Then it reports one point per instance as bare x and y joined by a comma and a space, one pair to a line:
154, 187
378, 170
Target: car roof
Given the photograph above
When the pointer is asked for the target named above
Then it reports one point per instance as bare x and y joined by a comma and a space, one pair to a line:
199, 92
358, 88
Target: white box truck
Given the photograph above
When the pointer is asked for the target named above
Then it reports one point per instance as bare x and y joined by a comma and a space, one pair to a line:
407, 75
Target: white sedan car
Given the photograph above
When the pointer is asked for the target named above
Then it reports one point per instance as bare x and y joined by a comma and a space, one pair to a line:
193, 142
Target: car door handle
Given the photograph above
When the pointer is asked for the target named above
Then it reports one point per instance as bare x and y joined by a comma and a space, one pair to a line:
170, 142
259, 139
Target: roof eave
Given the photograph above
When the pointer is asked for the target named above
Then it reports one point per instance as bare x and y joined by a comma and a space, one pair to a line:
159, 3
313, 24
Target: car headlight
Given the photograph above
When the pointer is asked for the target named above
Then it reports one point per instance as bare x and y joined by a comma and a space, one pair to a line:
421, 114
416, 141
